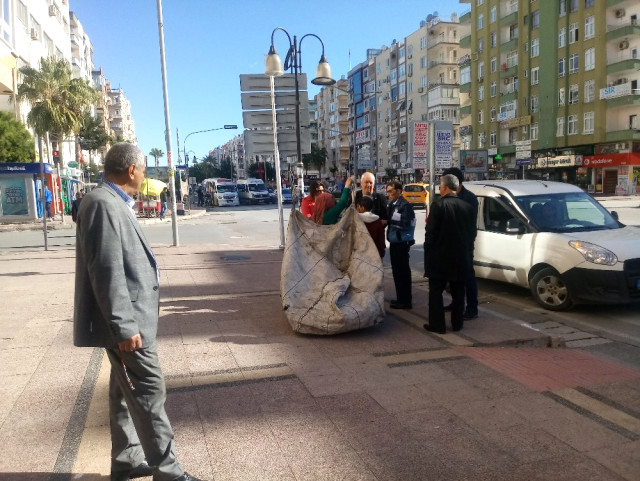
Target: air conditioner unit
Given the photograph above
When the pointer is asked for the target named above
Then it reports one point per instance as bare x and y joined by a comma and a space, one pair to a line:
35, 35
620, 13
53, 11
623, 45
410, 55
420, 89
506, 81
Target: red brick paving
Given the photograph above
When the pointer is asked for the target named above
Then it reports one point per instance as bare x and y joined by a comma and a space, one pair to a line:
550, 369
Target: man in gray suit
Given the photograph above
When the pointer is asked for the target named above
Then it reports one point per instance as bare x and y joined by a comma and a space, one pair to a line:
116, 307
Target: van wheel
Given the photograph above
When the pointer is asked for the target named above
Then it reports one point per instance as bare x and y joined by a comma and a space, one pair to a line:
550, 291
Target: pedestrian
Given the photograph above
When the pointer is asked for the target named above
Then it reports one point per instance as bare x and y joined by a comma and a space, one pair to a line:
471, 284
368, 187
401, 223
116, 307
372, 222
308, 203
48, 199
200, 193
449, 235
75, 205
163, 202
326, 210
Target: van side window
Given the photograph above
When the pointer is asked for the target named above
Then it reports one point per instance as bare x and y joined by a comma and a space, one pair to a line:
241, 187
495, 215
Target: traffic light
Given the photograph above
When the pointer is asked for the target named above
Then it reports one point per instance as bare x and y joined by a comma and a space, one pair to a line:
56, 157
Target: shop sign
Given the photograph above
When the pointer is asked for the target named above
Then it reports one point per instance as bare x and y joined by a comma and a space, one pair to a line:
610, 160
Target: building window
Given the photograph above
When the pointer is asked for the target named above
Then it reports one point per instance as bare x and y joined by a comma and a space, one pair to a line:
401, 71
573, 33
535, 75
533, 132
401, 52
559, 126
589, 28
493, 114
494, 39
587, 127
535, 47
561, 98
535, 19
493, 138
588, 3
21, 12
480, 70
481, 116
481, 140
423, 42
561, 71
494, 64
590, 59
574, 5
481, 45
481, 92
573, 94
480, 21
562, 37
574, 63
423, 62
534, 103
494, 89
493, 14
589, 91
479, 2
572, 125
563, 8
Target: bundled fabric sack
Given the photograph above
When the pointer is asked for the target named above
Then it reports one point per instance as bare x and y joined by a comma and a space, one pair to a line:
332, 276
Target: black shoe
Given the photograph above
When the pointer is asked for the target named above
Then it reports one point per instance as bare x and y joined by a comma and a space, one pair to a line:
468, 316
400, 305
187, 477
448, 308
432, 329
140, 471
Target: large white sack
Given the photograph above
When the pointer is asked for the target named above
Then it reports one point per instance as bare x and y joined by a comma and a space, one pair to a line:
332, 276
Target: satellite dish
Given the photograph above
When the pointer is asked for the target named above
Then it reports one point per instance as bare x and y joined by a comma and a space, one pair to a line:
429, 17
435, 14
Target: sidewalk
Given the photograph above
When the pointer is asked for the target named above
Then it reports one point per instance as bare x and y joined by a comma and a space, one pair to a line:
251, 400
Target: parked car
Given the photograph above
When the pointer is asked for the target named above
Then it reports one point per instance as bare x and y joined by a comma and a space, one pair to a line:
556, 240
416, 194
286, 196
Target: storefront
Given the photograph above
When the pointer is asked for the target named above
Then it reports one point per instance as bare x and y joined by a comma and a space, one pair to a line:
21, 188
613, 174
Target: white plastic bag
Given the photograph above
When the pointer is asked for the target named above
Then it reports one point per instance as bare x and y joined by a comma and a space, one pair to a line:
332, 276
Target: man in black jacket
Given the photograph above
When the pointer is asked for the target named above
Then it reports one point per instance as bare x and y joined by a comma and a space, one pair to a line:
368, 187
400, 228
449, 235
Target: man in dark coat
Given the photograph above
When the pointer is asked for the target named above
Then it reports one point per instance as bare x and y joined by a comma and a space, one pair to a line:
449, 235
471, 285
368, 187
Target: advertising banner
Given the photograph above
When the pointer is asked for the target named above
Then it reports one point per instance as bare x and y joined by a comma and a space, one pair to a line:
444, 145
13, 197
473, 161
420, 144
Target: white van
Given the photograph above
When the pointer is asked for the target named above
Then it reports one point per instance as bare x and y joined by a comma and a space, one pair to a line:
223, 192
556, 240
253, 191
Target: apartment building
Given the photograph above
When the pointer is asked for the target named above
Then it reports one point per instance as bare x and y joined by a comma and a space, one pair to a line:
332, 119
81, 50
120, 121
553, 90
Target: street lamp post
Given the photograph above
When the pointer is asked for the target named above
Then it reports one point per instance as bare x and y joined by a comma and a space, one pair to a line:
293, 62
184, 147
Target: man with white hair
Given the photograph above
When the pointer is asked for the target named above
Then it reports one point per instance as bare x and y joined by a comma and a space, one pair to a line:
368, 187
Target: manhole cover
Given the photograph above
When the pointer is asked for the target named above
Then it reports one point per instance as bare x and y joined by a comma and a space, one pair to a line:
235, 258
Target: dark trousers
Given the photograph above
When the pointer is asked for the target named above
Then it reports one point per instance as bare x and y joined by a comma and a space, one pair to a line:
436, 304
399, 255
48, 207
471, 290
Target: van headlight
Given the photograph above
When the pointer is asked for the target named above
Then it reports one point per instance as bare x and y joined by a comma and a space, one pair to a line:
594, 253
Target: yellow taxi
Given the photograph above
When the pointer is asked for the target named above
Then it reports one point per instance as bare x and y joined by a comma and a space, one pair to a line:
417, 194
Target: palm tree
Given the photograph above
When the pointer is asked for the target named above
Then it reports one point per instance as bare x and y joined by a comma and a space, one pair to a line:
58, 102
156, 154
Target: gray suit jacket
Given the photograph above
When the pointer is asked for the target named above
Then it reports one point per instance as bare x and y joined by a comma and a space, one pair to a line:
116, 292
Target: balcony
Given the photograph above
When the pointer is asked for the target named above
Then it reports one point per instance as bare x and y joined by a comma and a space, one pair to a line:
465, 17
510, 44
624, 61
623, 135
623, 29
509, 95
509, 19
465, 88
465, 42
466, 110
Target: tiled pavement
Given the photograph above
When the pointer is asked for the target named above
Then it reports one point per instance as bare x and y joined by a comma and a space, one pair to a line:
249, 399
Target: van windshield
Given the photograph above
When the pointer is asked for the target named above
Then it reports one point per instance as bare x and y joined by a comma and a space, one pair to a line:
257, 187
567, 212
414, 188
222, 188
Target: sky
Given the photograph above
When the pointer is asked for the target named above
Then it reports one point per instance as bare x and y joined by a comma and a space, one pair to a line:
210, 43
